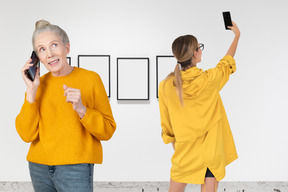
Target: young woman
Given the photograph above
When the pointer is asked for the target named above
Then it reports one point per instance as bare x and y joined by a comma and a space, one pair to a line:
193, 118
65, 115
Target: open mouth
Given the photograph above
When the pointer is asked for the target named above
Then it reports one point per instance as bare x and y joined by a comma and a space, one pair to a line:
54, 62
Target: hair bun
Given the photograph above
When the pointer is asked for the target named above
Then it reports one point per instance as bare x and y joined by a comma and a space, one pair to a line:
41, 23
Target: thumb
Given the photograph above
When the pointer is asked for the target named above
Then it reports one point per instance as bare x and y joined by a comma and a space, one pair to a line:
65, 87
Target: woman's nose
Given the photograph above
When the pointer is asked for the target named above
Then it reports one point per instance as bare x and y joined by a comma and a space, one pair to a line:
50, 53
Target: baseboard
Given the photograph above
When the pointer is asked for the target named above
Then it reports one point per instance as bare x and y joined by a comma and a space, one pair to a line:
159, 187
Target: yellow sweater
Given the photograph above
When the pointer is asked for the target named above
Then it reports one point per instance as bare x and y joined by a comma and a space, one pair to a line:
200, 128
57, 133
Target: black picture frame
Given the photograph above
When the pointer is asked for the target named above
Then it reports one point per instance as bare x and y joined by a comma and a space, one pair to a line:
159, 76
136, 71
104, 72
69, 60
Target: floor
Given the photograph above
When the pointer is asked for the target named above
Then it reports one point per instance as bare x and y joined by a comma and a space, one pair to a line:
160, 187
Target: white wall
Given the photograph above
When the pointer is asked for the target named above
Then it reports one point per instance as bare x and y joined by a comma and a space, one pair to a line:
255, 98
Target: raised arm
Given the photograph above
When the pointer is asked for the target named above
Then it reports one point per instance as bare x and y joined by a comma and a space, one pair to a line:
221, 73
27, 121
232, 49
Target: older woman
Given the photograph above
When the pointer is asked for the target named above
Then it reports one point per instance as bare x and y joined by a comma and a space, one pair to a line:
193, 118
65, 115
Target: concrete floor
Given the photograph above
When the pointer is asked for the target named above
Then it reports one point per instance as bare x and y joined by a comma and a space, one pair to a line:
160, 187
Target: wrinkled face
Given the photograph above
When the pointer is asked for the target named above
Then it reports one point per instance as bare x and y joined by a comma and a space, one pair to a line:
52, 52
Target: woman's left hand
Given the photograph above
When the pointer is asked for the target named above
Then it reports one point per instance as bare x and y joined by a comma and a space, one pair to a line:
74, 96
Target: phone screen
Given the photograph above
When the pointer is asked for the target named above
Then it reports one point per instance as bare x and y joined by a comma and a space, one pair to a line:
227, 19
31, 72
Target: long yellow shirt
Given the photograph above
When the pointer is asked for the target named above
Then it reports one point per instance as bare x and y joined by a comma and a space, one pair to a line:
57, 133
200, 127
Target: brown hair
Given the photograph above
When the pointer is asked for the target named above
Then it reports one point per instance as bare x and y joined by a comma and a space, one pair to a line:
183, 49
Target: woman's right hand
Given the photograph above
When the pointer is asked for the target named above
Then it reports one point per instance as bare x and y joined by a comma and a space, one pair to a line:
232, 49
235, 29
32, 86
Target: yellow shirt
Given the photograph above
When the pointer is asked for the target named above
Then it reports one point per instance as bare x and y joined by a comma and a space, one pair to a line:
200, 127
57, 133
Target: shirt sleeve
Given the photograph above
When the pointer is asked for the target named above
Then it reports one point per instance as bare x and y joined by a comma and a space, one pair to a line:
99, 121
221, 73
27, 121
167, 132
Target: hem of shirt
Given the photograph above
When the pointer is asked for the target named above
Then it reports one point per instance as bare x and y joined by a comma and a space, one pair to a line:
201, 181
196, 181
63, 163
232, 159
188, 181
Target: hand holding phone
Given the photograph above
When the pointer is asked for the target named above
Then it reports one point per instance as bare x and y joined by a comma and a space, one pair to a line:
31, 72
227, 20
30, 75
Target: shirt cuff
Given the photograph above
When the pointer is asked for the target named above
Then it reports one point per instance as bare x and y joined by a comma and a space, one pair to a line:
228, 60
167, 139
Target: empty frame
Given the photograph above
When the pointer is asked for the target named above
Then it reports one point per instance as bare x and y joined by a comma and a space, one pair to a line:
69, 60
43, 69
164, 66
100, 64
133, 78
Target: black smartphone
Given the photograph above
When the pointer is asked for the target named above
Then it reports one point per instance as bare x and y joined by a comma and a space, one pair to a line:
227, 19
31, 72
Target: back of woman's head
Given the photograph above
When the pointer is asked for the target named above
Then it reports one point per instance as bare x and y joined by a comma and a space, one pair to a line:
183, 48
43, 26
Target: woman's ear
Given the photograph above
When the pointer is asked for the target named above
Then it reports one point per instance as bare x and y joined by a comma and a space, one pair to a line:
67, 46
195, 54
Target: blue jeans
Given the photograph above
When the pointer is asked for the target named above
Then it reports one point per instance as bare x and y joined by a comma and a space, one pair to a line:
62, 178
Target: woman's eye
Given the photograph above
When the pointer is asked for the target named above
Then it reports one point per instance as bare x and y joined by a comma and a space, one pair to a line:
41, 49
54, 44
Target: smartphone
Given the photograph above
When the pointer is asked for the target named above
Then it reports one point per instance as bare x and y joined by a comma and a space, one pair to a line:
31, 72
227, 19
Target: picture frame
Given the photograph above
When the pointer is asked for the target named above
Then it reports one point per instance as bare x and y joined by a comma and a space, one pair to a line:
101, 64
69, 60
133, 78
165, 64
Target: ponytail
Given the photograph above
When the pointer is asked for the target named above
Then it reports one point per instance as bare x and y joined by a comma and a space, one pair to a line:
178, 83
183, 48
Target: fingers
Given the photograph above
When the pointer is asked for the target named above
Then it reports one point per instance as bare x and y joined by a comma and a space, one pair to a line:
27, 65
24, 69
234, 28
72, 99
233, 25
72, 95
32, 86
70, 91
65, 87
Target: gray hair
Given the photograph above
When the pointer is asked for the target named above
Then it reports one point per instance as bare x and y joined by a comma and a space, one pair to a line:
43, 25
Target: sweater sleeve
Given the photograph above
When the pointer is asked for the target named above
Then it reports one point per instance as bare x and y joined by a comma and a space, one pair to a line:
167, 132
99, 120
27, 121
221, 73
